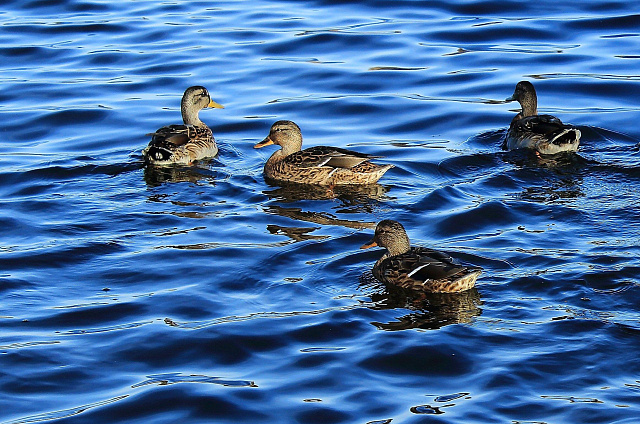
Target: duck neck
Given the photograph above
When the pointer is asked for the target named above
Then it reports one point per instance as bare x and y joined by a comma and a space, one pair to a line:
190, 115
529, 106
293, 145
276, 157
399, 246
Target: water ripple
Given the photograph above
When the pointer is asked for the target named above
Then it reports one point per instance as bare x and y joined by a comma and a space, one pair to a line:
269, 280
56, 415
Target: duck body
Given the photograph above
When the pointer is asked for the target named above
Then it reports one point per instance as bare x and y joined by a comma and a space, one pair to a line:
180, 144
417, 268
544, 133
319, 165
188, 142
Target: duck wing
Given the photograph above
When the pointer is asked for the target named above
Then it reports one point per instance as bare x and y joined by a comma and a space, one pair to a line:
168, 140
333, 157
418, 266
547, 127
544, 133
539, 124
175, 135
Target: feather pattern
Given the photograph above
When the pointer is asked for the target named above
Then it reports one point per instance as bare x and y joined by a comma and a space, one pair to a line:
417, 268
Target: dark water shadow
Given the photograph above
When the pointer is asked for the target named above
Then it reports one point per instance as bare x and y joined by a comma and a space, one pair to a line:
492, 139
592, 135
548, 178
430, 311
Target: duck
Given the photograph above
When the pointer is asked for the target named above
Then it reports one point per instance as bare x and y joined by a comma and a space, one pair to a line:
191, 141
319, 165
418, 269
546, 134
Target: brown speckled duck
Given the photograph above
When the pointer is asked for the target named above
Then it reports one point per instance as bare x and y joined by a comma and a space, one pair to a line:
183, 144
543, 133
320, 165
417, 268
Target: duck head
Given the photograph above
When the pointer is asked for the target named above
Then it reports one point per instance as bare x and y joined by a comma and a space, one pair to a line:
391, 235
285, 134
194, 100
525, 94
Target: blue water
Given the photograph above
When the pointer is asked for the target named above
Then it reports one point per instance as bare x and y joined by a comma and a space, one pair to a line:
202, 294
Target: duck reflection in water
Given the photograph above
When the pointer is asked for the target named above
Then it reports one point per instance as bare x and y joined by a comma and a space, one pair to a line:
528, 158
359, 197
341, 200
304, 233
547, 178
155, 176
429, 311
295, 233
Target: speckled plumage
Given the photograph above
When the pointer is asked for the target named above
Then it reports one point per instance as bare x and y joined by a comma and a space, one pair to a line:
320, 165
417, 268
183, 144
543, 133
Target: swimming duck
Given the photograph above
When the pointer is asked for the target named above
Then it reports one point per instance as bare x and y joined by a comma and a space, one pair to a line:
316, 165
417, 268
544, 133
183, 144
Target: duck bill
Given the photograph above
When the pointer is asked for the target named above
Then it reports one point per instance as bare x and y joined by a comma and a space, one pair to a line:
266, 142
215, 105
511, 98
370, 243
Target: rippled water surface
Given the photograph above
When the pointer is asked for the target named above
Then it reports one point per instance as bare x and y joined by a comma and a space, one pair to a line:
202, 294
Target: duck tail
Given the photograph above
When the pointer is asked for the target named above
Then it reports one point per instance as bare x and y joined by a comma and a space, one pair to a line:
157, 154
566, 136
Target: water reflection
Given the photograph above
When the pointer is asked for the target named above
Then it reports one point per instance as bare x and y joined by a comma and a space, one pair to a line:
362, 196
155, 176
322, 218
527, 158
562, 189
295, 233
350, 200
430, 310
556, 178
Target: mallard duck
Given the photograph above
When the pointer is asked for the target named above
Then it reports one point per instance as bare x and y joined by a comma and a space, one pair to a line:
316, 165
183, 144
544, 133
417, 268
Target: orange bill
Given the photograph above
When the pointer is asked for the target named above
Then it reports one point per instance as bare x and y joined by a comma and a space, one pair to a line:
216, 105
266, 142
370, 243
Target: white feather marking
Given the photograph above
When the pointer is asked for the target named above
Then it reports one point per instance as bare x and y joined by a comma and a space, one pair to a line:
417, 269
559, 135
326, 160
